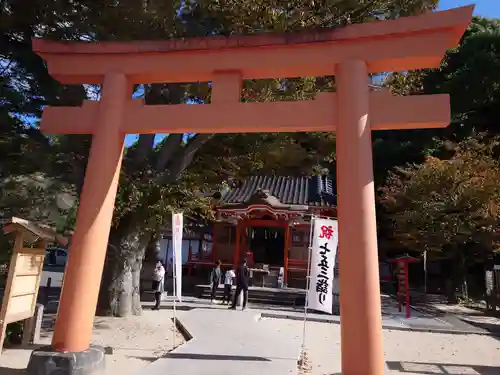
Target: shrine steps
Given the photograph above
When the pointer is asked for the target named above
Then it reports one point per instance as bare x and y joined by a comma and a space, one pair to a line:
260, 295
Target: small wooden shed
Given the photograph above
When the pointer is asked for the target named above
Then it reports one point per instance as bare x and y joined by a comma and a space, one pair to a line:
25, 269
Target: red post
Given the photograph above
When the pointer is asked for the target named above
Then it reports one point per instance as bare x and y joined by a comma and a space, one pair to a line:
190, 253
237, 245
214, 242
407, 291
190, 261
400, 291
288, 230
244, 236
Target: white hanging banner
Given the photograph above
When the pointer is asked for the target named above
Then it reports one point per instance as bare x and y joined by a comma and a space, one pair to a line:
177, 229
323, 256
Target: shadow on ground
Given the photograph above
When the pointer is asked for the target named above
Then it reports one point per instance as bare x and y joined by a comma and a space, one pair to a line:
205, 304
11, 371
178, 307
489, 327
208, 357
146, 359
440, 368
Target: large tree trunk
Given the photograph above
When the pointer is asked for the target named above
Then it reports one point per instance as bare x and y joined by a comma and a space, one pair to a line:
121, 283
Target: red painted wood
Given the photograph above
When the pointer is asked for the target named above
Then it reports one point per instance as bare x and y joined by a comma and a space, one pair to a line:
266, 223
407, 291
237, 245
288, 232
214, 241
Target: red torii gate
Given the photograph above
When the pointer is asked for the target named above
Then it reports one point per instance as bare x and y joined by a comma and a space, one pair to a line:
350, 53
402, 280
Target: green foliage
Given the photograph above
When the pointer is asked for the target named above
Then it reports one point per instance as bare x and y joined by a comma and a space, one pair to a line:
150, 204
446, 204
236, 156
470, 73
31, 197
6, 246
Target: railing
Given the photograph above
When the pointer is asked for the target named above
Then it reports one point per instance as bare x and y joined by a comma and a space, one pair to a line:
297, 265
200, 257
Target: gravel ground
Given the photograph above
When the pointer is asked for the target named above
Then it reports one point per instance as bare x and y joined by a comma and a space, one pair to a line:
408, 353
136, 342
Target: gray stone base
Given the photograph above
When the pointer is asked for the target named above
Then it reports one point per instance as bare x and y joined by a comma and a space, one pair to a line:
45, 361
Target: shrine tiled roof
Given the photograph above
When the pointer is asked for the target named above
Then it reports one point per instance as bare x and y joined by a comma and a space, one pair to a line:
307, 191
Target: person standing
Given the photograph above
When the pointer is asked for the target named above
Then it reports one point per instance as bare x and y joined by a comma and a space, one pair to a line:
242, 278
215, 280
228, 284
158, 283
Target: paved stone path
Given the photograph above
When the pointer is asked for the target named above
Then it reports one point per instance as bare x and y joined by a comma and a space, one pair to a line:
246, 343
389, 322
229, 342
463, 323
391, 317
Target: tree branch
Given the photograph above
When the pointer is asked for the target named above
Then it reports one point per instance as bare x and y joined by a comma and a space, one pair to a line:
142, 150
183, 159
169, 148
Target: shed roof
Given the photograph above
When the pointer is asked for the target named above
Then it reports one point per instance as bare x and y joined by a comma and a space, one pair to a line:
34, 230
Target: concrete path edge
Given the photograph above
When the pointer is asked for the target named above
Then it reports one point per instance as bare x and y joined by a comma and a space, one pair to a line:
182, 330
385, 326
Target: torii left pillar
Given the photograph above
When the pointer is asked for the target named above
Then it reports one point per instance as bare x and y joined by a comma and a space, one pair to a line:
86, 258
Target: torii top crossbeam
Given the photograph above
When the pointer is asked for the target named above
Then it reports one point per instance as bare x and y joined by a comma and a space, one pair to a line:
387, 46
402, 44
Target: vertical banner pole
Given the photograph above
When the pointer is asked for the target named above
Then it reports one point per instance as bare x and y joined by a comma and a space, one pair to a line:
174, 272
308, 282
177, 231
174, 286
407, 291
425, 271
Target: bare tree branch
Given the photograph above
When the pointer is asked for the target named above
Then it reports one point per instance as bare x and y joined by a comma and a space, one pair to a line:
183, 159
169, 148
139, 155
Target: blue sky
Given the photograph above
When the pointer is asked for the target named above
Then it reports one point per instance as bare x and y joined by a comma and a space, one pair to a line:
484, 8
131, 138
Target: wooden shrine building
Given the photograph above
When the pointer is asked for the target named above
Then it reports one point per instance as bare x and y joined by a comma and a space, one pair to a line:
266, 220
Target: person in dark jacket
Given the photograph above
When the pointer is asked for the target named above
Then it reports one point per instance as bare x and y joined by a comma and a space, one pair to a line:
215, 279
242, 279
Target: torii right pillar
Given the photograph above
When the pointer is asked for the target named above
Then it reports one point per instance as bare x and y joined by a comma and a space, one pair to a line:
359, 285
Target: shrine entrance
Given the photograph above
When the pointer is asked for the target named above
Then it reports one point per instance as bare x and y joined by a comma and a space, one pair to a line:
267, 245
350, 53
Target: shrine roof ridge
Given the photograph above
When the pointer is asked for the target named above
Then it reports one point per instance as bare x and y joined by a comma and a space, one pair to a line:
287, 190
457, 18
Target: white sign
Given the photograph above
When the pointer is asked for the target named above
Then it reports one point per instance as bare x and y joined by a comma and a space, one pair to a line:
177, 254
323, 256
